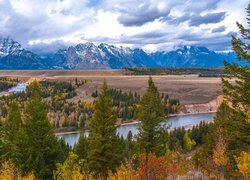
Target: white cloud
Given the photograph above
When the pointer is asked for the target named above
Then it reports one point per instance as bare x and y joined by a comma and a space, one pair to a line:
149, 24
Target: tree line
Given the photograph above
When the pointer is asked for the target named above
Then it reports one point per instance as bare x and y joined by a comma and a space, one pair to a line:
127, 103
202, 72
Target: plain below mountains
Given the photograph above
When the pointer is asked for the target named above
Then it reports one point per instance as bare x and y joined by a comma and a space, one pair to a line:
104, 56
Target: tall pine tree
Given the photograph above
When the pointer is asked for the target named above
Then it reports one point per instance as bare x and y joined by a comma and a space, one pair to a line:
81, 148
151, 113
42, 149
238, 93
236, 127
232, 116
13, 123
11, 136
104, 153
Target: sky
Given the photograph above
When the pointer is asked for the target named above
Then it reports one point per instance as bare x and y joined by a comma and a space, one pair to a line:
153, 25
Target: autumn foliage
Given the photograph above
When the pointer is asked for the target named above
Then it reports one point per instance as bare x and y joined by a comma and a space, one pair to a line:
243, 164
163, 167
9, 171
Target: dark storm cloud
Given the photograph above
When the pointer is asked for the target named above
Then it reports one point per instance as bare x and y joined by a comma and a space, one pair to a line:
151, 37
141, 15
192, 10
219, 29
213, 18
200, 6
138, 15
150, 34
196, 19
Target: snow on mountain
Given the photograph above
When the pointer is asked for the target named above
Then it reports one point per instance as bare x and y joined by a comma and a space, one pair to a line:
105, 56
9, 46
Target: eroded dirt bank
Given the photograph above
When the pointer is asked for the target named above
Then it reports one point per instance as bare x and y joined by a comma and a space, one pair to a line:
211, 106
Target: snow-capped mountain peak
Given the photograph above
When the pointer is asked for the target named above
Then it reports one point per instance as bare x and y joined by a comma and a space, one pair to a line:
9, 46
13, 56
104, 56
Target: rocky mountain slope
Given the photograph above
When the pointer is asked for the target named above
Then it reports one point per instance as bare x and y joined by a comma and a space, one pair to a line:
104, 56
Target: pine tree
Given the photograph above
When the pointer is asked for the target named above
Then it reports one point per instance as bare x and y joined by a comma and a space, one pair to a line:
13, 123
238, 93
127, 145
237, 96
151, 113
42, 149
81, 148
231, 116
12, 136
104, 148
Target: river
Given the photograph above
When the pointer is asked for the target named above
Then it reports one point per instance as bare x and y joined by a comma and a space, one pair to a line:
21, 87
186, 121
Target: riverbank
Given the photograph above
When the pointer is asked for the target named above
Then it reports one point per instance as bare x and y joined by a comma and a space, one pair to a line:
193, 113
70, 132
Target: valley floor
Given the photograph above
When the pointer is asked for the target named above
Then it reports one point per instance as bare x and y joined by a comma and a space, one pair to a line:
189, 89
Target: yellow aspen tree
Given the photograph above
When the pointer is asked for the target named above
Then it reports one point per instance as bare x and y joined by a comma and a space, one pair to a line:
10, 171
243, 164
219, 152
70, 169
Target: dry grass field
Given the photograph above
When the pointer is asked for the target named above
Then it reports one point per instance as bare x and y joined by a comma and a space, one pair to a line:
189, 89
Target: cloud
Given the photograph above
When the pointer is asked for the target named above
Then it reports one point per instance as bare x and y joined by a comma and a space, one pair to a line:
219, 29
145, 13
149, 24
198, 7
47, 48
197, 20
178, 20
28, 20
212, 41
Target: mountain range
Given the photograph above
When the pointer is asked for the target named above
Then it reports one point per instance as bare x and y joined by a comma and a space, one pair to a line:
105, 56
